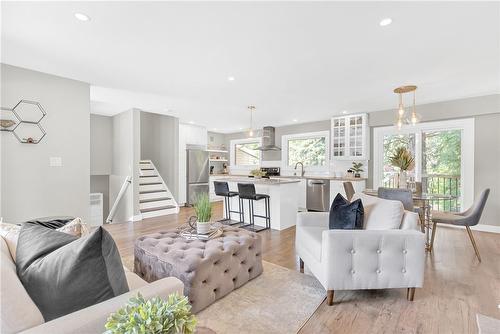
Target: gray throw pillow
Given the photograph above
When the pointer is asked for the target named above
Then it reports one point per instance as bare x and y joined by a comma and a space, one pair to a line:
63, 274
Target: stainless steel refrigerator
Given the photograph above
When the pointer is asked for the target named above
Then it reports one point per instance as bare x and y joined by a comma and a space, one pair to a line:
197, 174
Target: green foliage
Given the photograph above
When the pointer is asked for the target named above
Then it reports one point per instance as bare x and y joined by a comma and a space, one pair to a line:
153, 316
309, 151
402, 159
257, 172
203, 208
356, 167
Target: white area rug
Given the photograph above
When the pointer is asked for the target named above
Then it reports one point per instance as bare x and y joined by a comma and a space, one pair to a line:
278, 301
487, 325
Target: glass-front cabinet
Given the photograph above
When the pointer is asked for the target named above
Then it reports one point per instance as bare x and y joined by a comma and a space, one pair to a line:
349, 134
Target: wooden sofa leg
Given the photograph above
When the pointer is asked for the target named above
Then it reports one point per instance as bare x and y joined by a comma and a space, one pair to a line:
410, 293
301, 265
329, 297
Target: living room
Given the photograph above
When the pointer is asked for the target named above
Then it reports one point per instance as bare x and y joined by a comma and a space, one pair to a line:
194, 156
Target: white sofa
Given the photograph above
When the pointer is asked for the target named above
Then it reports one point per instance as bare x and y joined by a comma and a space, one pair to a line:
18, 313
388, 253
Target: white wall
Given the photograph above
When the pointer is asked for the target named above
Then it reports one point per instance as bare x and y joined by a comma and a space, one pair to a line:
101, 144
29, 187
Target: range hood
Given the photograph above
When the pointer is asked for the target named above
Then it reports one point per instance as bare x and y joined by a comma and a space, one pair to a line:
268, 139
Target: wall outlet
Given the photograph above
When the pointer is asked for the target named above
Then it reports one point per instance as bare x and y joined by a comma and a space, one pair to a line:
55, 162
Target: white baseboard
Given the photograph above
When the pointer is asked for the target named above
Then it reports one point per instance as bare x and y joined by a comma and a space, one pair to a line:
479, 227
136, 218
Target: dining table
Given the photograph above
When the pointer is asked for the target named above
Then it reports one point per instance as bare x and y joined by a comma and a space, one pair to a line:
423, 201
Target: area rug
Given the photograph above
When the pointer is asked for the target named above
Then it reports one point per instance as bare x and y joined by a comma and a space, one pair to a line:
487, 325
278, 301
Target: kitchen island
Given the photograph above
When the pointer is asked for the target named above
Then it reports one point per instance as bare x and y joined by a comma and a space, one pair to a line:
283, 199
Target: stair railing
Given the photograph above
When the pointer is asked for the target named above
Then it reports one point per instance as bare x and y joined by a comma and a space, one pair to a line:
123, 189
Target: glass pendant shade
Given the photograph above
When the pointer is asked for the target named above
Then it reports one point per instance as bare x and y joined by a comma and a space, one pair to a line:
250, 129
402, 117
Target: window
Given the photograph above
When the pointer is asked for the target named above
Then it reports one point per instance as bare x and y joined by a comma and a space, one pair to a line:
439, 149
309, 148
244, 152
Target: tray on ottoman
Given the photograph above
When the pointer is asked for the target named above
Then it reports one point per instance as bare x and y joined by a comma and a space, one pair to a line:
209, 269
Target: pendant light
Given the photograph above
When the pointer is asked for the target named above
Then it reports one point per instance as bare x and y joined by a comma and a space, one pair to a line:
401, 117
250, 129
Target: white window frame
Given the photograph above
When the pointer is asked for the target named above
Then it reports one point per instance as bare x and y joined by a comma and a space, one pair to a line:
232, 155
306, 135
466, 125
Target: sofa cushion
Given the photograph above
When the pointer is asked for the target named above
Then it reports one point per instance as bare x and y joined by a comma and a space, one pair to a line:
10, 232
63, 274
18, 311
380, 214
345, 215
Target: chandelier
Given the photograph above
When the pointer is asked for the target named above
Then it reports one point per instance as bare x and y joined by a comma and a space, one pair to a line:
404, 117
250, 129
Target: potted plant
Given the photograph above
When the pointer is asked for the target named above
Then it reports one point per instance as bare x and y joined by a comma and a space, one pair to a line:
356, 168
257, 173
203, 210
153, 316
404, 161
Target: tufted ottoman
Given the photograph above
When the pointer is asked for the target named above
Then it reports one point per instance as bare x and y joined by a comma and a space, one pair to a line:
209, 269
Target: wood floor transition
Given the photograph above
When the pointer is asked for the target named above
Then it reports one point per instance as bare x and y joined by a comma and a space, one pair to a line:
456, 285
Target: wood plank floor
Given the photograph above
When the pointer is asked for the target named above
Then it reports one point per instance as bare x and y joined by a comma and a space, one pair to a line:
456, 285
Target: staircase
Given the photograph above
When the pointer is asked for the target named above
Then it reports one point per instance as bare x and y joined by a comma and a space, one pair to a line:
155, 199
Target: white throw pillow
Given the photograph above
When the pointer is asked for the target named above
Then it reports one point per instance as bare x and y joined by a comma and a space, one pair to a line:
380, 214
10, 233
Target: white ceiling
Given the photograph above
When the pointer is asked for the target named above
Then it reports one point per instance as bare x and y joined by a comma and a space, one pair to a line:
293, 60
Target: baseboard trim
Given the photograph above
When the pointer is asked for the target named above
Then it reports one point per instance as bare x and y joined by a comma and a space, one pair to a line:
136, 218
479, 227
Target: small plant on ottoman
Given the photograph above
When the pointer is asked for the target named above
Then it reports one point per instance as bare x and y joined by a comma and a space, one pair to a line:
153, 316
203, 210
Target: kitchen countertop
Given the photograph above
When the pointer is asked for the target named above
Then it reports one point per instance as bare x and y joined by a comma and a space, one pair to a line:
296, 177
243, 179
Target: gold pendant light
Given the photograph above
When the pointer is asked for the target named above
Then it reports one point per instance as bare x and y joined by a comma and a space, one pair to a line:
402, 117
250, 129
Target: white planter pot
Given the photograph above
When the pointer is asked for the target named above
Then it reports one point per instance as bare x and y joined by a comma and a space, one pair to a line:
202, 227
403, 176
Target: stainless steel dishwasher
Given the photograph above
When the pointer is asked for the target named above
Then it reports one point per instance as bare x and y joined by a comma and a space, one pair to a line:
318, 195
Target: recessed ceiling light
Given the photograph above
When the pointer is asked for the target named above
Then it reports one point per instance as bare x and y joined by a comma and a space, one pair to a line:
241, 128
344, 112
191, 122
385, 22
230, 78
295, 120
82, 17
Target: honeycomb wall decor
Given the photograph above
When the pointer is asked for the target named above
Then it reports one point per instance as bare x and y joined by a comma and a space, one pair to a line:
24, 121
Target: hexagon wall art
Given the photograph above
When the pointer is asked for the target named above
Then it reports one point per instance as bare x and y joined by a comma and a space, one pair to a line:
24, 121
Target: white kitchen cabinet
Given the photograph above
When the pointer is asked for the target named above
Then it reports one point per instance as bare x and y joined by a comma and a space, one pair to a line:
302, 194
349, 137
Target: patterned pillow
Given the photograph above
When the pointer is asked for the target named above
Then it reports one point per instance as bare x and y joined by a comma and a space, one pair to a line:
10, 233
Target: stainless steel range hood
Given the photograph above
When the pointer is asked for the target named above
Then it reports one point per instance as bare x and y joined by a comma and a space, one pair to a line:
268, 138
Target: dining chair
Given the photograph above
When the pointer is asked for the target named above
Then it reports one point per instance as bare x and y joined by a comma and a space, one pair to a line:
468, 218
349, 190
405, 196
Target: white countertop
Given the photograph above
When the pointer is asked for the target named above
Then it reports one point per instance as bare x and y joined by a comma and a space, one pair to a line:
297, 177
243, 179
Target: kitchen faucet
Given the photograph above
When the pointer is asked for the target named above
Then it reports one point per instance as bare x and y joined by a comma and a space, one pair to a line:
302, 171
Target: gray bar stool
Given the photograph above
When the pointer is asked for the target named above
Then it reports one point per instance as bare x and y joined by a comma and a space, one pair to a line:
247, 191
222, 189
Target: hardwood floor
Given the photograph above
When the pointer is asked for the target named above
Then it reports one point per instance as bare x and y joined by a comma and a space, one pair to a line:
456, 285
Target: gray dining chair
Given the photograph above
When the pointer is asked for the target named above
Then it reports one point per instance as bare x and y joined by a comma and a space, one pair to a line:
468, 218
349, 190
405, 196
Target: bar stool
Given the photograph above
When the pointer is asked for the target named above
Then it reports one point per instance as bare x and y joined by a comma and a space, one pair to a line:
222, 189
247, 191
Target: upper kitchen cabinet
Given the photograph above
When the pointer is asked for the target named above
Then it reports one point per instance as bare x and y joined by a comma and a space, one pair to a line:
350, 137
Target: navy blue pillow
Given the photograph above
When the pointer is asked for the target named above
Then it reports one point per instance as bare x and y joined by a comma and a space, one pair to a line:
345, 215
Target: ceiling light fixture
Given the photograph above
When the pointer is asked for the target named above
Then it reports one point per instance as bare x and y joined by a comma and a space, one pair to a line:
295, 120
401, 117
191, 122
250, 130
344, 112
82, 17
385, 22
230, 78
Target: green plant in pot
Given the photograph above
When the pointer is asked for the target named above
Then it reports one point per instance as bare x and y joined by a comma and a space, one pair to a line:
153, 316
257, 173
357, 168
403, 160
203, 210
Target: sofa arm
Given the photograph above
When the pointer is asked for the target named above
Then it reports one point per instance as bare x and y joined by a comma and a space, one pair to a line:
92, 319
373, 259
317, 219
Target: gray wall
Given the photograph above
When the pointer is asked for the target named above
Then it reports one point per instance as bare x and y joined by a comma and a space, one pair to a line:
486, 112
29, 187
101, 144
281, 131
159, 142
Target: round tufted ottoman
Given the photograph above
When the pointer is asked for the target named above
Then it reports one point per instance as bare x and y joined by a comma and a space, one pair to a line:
209, 269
